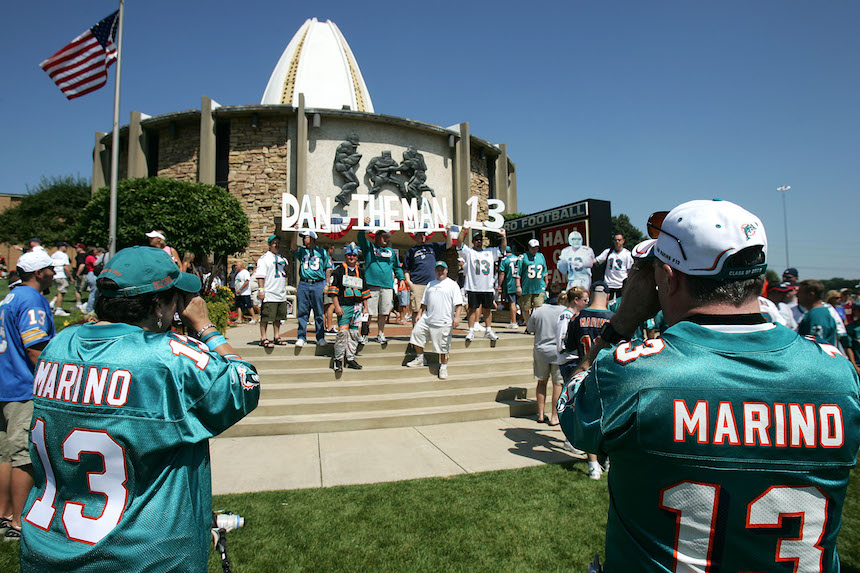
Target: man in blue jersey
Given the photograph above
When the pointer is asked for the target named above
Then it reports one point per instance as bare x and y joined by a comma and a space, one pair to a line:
123, 411
731, 438
26, 326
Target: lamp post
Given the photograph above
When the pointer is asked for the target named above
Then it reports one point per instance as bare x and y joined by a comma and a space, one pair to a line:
784, 189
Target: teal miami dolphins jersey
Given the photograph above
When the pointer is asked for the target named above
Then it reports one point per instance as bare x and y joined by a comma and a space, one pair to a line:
532, 273
509, 266
120, 452
819, 324
731, 448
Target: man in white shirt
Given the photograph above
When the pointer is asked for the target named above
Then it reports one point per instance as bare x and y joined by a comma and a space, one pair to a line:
438, 316
618, 262
62, 272
242, 286
479, 270
271, 275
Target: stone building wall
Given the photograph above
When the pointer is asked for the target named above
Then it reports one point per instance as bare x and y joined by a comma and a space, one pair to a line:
177, 153
479, 180
259, 174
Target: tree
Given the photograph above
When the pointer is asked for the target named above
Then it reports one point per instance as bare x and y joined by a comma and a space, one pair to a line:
195, 217
632, 235
49, 212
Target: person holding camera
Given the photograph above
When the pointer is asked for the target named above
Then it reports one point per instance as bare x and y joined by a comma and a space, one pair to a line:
123, 411
728, 434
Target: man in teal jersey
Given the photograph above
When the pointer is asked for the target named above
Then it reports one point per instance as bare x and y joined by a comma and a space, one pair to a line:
508, 284
381, 265
817, 322
314, 272
531, 279
853, 334
731, 438
124, 409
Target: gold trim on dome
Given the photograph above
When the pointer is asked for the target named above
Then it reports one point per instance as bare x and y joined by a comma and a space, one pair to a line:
290, 80
356, 85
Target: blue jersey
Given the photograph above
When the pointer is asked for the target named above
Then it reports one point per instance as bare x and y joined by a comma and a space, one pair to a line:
731, 448
120, 450
25, 320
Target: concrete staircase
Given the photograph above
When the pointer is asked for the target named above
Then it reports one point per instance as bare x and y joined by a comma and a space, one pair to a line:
301, 394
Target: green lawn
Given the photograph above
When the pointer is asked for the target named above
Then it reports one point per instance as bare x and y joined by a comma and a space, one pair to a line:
68, 304
546, 518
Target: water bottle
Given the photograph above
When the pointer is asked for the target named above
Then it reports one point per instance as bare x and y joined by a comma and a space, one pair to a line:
229, 521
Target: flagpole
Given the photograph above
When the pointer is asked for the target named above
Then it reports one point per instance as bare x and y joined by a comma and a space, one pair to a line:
114, 148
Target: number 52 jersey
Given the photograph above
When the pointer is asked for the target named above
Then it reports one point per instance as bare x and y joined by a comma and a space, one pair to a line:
120, 453
731, 448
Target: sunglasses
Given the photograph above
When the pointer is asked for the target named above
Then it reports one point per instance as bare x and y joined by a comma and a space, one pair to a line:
655, 227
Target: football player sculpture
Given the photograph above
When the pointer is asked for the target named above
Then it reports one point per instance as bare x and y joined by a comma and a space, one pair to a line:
575, 262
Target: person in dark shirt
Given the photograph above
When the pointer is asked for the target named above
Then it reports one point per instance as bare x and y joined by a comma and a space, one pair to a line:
419, 268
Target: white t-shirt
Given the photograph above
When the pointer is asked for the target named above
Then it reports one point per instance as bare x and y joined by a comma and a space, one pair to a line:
786, 311
60, 260
273, 269
575, 265
479, 268
770, 309
241, 277
617, 265
441, 298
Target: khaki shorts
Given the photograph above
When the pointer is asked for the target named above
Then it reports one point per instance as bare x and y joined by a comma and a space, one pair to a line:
440, 336
81, 284
62, 285
15, 420
381, 300
530, 301
273, 312
545, 370
417, 295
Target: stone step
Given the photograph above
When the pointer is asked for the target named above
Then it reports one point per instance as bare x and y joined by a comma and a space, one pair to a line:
392, 357
346, 387
479, 365
347, 421
395, 344
398, 401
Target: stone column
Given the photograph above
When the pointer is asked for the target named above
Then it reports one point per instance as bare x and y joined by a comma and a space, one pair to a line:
136, 147
206, 163
99, 155
511, 206
462, 180
502, 175
301, 149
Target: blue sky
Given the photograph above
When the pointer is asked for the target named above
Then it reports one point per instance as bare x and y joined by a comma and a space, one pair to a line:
642, 103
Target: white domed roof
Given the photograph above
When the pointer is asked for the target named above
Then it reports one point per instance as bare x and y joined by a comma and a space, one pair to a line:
319, 64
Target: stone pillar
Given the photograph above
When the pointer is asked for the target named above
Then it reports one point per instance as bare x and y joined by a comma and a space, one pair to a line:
301, 149
511, 207
206, 163
136, 147
462, 180
99, 155
502, 175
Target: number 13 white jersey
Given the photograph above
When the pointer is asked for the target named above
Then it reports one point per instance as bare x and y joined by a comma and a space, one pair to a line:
479, 268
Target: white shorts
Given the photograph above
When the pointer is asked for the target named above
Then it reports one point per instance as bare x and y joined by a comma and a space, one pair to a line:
440, 336
381, 300
545, 370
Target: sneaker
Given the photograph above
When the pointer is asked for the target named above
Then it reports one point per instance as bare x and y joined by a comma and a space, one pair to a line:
322, 342
81, 307
300, 342
575, 451
60, 312
12, 534
417, 362
362, 339
513, 326
252, 321
491, 335
337, 365
470, 335
380, 338
595, 473
443, 372
479, 327
353, 364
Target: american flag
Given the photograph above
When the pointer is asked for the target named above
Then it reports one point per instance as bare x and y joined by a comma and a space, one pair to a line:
81, 67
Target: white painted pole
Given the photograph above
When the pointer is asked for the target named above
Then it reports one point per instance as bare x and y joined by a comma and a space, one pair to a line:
114, 148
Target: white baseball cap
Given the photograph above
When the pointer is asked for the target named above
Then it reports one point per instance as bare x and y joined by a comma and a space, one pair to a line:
534, 243
153, 234
644, 250
697, 237
34, 261
307, 233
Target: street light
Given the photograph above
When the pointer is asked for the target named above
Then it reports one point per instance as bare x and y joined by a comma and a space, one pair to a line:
784, 189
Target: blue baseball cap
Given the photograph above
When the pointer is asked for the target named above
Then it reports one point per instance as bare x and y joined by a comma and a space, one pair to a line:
141, 270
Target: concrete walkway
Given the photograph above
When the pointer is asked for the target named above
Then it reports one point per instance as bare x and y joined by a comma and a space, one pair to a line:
370, 456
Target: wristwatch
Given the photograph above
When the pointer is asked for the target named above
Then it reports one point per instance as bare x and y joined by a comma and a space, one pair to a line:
610, 335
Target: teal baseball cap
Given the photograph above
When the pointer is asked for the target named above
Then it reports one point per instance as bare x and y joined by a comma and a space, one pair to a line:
141, 270
442, 264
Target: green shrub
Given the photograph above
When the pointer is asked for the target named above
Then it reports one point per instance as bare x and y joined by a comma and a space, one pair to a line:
218, 312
